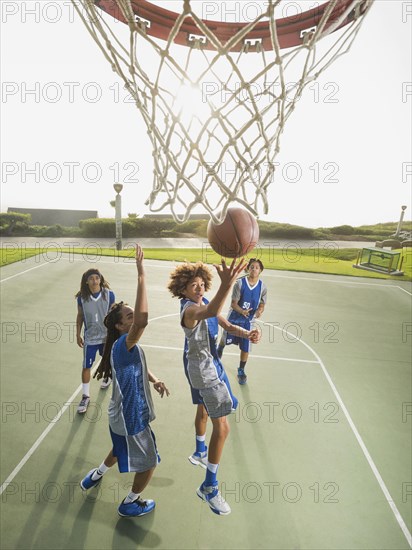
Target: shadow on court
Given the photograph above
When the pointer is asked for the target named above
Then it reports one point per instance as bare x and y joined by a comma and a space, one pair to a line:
292, 469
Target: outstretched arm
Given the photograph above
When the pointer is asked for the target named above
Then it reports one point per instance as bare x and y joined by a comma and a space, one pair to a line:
141, 308
252, 335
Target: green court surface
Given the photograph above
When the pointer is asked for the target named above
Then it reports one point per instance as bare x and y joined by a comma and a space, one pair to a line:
319, 453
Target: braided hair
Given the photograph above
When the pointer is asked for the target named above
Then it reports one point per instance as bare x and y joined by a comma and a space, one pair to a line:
104, 370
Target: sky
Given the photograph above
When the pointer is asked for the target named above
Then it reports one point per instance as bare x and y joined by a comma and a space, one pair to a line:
69, 132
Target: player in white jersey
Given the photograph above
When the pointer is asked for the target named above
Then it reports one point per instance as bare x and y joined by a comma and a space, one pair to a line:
249, 297
131, 407
94, 300
207, 378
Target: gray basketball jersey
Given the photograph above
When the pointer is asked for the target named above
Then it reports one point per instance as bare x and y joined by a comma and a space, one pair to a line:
94, 312
203, 366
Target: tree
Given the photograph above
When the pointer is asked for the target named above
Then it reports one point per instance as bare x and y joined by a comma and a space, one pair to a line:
9, 220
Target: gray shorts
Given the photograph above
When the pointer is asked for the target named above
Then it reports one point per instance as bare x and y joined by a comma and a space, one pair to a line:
135, 453
219, 400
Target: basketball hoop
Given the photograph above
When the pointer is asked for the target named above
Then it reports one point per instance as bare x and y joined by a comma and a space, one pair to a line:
214, 120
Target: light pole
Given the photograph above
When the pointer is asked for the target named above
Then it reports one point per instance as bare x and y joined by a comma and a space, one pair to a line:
118, 215
398, 230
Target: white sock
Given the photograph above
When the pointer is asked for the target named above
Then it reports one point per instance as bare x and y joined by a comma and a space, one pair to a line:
101, 470
212, 467
86, 389
201, 437
131, 497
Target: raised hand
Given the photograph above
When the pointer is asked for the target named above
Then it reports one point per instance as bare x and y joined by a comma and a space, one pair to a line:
229, 274
139, 259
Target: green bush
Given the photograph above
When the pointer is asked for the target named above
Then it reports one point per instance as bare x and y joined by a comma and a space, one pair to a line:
194, 227
284, 231
98, 227
343, 230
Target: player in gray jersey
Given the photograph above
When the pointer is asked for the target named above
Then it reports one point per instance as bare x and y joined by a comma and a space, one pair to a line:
94, 300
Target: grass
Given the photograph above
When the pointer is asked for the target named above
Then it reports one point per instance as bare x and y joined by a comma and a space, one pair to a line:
328, 259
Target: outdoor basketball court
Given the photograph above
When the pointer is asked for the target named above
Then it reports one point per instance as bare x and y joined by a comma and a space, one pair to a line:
319, 450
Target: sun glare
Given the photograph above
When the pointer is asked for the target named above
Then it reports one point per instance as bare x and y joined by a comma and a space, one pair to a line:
190, 103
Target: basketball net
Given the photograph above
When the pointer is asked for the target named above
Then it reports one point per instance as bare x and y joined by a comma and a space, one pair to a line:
215, 110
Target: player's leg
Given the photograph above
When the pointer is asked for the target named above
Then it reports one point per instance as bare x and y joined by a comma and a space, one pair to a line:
89, 355
219, 402
217, 441
199, 457
141, 480
137, 454
94, 477
105, 383
133, 505
209, 490
222, 344
244, 346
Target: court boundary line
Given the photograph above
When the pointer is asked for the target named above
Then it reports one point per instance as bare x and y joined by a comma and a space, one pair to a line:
22, 272
352, 425
360, 441
236, 354
41, 437
67, 403
270, 273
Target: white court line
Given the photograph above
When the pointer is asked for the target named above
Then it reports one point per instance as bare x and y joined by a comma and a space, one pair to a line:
236, 354
38, 441
22, 272
273, 273
58, 416
270, 273
407, 291
359, 439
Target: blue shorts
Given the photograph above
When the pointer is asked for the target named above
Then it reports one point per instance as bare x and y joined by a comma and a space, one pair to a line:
89, 354
196, 397
243, 343
135, 453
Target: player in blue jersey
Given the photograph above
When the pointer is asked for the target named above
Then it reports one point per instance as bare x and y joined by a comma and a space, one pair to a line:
209, 384
131, 407
94, 300
248, 302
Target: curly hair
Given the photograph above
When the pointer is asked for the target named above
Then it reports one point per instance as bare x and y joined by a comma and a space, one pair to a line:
84, 291
184, 274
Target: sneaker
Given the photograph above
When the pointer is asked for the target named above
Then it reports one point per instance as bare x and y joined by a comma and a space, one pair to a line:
214, 498
138, 507
241, 376
199, 459
88, 482
105, 383
84, 403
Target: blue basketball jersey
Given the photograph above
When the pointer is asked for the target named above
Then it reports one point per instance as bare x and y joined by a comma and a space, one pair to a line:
131, 406
249, 298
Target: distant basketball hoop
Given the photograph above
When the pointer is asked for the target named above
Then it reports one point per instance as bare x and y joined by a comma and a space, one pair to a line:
214, 114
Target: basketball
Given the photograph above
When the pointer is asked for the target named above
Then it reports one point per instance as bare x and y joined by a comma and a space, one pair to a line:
237, 235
